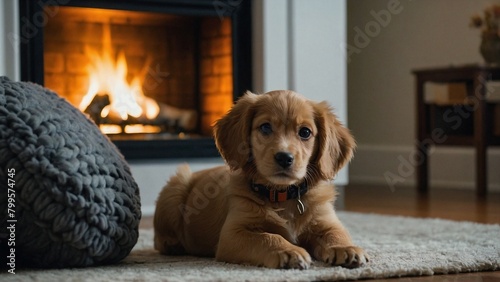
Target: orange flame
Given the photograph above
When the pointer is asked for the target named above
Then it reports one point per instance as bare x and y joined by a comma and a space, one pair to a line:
109, 76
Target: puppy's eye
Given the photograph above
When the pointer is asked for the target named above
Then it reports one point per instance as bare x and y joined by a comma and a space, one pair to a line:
305, 133
266, 128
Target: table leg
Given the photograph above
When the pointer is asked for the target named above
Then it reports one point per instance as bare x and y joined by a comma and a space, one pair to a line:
481, 174
480, 134
422, 148
423, 170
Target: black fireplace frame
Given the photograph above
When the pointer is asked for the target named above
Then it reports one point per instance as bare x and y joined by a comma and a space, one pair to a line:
32, 20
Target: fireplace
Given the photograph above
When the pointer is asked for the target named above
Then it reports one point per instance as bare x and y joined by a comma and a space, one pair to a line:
154, 75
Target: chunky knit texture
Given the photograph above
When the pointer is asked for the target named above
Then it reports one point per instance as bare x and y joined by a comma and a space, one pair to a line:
76, 201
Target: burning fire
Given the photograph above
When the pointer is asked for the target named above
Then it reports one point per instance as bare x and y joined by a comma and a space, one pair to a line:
108, 75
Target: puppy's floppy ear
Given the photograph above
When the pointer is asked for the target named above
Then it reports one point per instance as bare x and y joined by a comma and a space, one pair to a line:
232, 132
335, 144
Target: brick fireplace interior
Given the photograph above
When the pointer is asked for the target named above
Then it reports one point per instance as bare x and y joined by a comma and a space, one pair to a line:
151, 78
183, 62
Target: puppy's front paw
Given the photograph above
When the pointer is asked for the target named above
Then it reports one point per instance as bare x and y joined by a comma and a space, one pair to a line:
350, 257
296, 258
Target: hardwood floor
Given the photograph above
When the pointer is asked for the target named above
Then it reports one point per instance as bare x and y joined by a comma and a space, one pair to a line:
440, 203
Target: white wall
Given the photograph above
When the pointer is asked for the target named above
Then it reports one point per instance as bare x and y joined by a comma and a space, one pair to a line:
419, 34
9, 26
318, 64
296, 46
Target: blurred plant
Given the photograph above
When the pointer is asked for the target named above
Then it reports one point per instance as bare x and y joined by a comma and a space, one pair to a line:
490, 23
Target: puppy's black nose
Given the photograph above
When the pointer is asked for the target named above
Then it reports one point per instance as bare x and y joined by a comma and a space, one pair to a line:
284, 159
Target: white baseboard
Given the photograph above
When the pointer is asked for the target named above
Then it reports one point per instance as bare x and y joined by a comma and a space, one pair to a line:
450, 167
148, 210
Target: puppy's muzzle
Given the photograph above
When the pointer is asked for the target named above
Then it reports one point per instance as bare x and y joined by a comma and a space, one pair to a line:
284, 159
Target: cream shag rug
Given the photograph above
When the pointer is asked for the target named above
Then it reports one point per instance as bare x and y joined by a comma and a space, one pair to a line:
398, 246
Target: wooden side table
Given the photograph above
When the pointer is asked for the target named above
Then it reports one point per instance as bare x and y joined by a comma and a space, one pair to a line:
432, 119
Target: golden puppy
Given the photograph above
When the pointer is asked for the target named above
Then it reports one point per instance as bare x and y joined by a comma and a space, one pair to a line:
272, 205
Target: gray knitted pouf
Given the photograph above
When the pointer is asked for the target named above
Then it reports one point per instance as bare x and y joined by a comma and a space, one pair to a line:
76, 203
